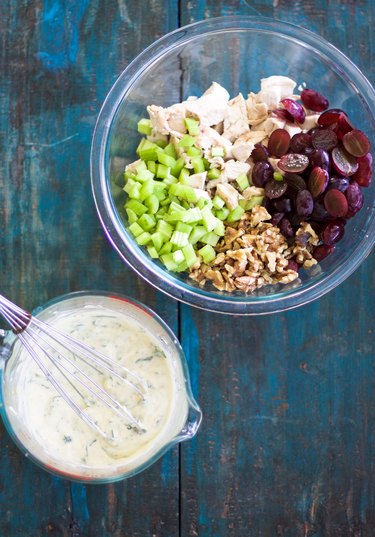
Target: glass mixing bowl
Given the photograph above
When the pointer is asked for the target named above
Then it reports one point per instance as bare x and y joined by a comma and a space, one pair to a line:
184, 414
236, 52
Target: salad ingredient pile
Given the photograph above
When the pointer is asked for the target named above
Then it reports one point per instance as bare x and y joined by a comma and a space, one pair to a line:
244, 192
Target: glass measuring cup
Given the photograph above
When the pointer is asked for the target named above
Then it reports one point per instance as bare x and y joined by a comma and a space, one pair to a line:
185, 414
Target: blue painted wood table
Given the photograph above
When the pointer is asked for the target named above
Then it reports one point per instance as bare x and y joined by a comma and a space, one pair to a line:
288, 440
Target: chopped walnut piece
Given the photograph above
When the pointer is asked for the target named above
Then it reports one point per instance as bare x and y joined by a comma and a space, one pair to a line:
253, 253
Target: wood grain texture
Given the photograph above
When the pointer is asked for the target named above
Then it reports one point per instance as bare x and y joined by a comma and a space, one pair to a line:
287, 442
58, 60
286, 446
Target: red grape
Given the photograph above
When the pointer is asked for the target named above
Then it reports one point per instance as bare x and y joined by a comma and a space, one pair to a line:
354, 197
281, 113
278, 143
275, 189
262, 172
335, 203
318, 181
304, 203
356, 143
333, 232
344, 163
364, 172
330, 117
294, 109
324, 139
322, 251
293, 162
300, 142
259, 153
313, 100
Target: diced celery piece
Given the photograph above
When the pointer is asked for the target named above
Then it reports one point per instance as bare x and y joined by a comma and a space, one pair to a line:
134, 191
151, 166
176, 170
207, 253
251, 203
208, 219
147, 189
192, 215
218, 202
149, 151
170, 180
192, 126
178, 256
144, 126
164, 229
185, 204
128, 174
184, 192
175, 207
135, 229
143, 239
197, 233
181, 226
136, 206
243, 181
198, 164
129, 183
141, 167
132, 217
222, 214
140, 145
217, 151
166, 248
210, 238
152, 203
157, 239
182, 267
202, 202
219, 228
153, 252
147, 222
145, 175
170, 150
206, 163
162, 144
183, 177
213, 173
186, 141
235, 214
162, 171
179, 238
165, 202
278, 176
169, 262
167, 160
194, 152
189, 254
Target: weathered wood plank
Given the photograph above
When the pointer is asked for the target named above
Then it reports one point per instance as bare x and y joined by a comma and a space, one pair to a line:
58, 61
286, 445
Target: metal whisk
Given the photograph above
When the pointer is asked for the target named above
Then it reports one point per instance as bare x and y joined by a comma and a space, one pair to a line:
64, 352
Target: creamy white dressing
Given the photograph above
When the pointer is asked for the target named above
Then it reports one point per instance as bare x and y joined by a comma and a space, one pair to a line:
159, 404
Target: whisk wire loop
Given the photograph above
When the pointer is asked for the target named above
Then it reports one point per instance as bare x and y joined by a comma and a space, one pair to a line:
28, 328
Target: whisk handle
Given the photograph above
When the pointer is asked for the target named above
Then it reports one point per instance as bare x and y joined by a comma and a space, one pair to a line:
17, 318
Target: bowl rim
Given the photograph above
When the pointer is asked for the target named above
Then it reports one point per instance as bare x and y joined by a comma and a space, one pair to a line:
193, 407
114, 228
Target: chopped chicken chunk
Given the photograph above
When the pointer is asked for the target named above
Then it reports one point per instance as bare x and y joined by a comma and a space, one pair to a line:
211, 108
197, 180
229, 194
275, 88
208, 138
233, 169
235, 121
